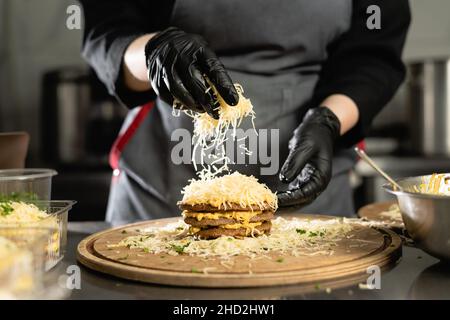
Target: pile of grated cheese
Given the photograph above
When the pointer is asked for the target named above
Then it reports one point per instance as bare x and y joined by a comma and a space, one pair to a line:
13, 213
229, 189
296, 237
230, 117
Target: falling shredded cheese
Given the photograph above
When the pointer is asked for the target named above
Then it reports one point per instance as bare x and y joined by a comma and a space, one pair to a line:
295, 237
230, 117
223, 192
210, 134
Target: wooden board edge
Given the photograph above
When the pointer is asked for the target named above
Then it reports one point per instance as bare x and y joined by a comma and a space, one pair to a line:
389, 256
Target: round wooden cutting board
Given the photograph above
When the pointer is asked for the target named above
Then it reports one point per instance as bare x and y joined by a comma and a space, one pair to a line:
373, 212
352, 256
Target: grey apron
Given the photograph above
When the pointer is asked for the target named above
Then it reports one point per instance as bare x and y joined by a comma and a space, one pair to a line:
274, 49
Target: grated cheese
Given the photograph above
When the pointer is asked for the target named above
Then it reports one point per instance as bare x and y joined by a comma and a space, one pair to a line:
223, 192
437, 184
210, 134
16, 269
295, 237
393, 213
21, 213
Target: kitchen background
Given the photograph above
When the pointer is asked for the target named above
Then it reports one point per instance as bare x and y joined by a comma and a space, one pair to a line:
42, 75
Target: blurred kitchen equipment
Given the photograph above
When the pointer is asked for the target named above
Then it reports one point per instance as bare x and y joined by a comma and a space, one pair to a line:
65, 107
80, 120
369, 161
26, 184
426, 216
14, 147
429, 102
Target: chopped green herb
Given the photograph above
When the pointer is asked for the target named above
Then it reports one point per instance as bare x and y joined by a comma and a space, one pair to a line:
162, 257
179, 228
194, 270
179, 249
6, 209
19, 196
123, 258
317, 286
146, 250
280, 260
230, 239
312, 234
124, 231
300, 231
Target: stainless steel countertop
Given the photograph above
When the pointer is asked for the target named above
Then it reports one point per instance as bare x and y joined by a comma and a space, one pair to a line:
416, 276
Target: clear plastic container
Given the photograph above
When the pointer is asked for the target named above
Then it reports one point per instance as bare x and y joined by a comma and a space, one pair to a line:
56, 220
26, 184
23, 253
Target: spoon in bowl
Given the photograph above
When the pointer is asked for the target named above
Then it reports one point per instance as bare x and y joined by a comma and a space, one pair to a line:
370, 162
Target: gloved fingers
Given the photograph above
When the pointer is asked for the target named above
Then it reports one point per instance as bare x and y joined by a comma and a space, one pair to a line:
314, 185
323, 164
197, 86
163, 93
214, 69
314, 179
304, 189
296, 161
293, 197
175, 85
155, 76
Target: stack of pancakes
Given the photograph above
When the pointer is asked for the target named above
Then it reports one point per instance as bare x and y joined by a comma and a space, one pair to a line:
209, 222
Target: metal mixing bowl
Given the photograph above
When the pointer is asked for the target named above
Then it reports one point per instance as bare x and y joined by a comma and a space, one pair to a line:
426, 216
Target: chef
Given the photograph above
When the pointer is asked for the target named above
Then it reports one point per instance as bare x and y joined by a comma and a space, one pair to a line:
316, 71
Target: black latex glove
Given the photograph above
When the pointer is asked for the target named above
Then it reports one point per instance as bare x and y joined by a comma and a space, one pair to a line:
176, 63
308, 166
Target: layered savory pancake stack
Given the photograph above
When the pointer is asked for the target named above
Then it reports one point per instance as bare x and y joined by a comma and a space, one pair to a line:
232, 205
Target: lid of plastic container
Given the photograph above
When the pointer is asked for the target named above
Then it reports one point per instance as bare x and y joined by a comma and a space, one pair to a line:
25, 174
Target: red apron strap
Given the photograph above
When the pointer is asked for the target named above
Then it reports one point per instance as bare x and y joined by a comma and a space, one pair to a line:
123, 138
362, 145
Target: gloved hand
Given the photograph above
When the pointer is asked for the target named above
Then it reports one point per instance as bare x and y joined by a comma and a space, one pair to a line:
308, 166
176, 63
